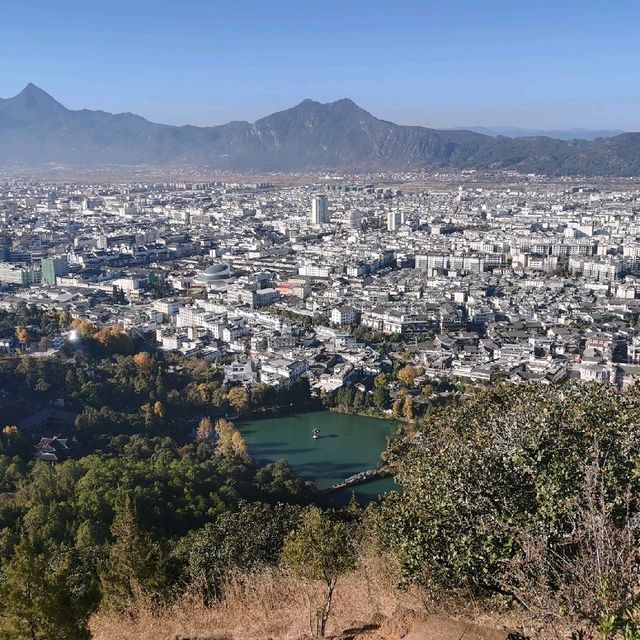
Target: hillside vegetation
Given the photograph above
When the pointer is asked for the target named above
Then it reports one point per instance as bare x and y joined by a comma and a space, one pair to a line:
519, 507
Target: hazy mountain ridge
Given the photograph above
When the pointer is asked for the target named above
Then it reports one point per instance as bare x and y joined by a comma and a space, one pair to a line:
35, 130
559, 134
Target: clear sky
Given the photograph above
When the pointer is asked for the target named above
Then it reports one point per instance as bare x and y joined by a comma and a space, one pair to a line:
545, 64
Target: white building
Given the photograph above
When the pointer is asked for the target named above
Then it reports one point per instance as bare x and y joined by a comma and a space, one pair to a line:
320, 210
344, 315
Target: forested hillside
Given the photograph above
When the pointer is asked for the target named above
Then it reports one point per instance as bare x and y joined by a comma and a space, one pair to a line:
520, 500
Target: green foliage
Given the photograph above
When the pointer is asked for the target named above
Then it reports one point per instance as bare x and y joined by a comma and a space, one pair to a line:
43, 596
508, 461
245, 539
279, 481
134, 568
321, 548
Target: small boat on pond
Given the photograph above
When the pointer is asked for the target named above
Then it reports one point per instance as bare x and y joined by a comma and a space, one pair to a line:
316, 433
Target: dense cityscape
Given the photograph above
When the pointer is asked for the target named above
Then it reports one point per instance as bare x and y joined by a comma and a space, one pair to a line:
319, 321
520, 281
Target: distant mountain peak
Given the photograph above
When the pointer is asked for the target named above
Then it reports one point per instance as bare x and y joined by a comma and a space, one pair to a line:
33, 98
342, 103
33, 91
30, 88
36, 130
347, 102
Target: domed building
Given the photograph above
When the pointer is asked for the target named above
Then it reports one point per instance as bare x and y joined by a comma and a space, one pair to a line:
213, 274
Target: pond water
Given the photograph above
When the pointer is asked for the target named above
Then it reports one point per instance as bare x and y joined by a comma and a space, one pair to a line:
347, 444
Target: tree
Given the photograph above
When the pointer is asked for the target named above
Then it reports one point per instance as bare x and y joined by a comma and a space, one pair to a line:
381, 397
64, 319
247, 539
407, 408
279, 480
204, 433
35, 602
263, 395
133, 568
238, 398
381, 381
22, 334
10, 431
113, 339
320, 548
143, 362
507, 462
427, 391
345, 397
239, 445
159, 410
117, 296
84, 328
71, 382
159, 385
407, 375
229, 439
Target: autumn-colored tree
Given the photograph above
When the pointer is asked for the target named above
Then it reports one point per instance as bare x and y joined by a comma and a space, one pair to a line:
22, 334
159, 410
64, 319
229, 439
239, 444
10, 431
407, 375
114, 339
205, 430
84, 328
238, 398
143, 362
224, 433
407, 408
396, 409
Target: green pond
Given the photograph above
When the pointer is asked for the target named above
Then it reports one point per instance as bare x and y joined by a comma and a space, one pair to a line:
347, 445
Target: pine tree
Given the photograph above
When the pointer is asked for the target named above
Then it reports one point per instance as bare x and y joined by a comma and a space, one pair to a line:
133, 567
35, 602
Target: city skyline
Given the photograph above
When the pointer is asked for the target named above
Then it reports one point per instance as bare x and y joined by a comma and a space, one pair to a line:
421, 63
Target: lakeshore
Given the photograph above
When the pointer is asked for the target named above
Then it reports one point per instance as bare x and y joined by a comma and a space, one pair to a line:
348, 445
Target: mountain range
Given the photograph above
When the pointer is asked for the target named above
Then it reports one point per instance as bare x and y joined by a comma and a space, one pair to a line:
560, 134
36, 130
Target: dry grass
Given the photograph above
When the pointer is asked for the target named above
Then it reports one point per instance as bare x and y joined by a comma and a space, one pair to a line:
273, 605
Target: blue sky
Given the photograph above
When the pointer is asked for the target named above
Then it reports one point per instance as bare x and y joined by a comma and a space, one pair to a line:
539, 64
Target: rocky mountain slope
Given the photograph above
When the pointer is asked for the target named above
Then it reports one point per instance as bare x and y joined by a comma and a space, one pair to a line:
37, 130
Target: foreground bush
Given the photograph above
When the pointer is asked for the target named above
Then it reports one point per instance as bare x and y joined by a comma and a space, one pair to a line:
502, 493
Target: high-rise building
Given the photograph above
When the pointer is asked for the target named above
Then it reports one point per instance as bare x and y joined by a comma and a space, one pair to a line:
320, 210
53, 267
355, 219
394, 220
